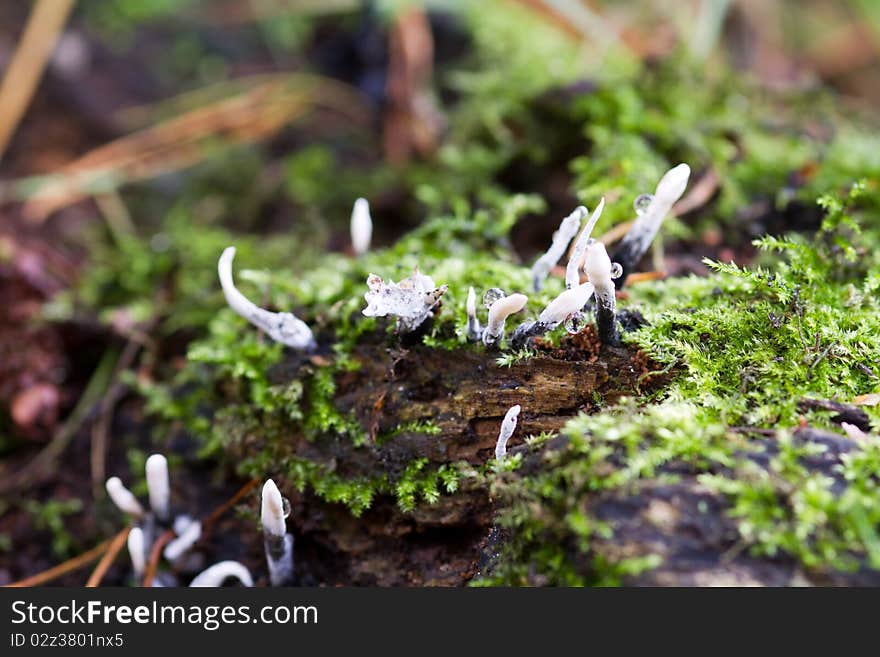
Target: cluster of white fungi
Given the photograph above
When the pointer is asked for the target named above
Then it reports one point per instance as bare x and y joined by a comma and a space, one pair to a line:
178, 553
589, 273
414, 299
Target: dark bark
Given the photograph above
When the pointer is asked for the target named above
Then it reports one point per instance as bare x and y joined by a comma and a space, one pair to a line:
842, 412
466, 394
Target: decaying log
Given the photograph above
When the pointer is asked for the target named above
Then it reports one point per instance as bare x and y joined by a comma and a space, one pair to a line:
465, 394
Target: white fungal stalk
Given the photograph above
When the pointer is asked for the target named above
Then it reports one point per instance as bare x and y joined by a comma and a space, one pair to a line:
175, 549
411, 301
573, 270
569, 302
361, 226
137, 550
284, 327
474, 330
220, 572
508, 426
645, 227
600, 270
158, 486
123, 498
568, 228
277, 542
499, 311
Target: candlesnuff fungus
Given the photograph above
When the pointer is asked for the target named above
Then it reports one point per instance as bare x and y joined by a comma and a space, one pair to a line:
180, 523
411, 300
183, 542
361, 226
568, 304
647, 223
499, 311
158, 486
137, 550
277, 542
568, 228
123, 498
474, 330
215, 575
601, 272
508, 426
575, 262
187, 530
285, 328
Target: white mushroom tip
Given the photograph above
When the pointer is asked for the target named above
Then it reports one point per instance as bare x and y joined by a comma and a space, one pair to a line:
175, 549
576, 259
215, 575
158, 485
570, 301
272, 511
510, 304
471, 305
361, 226
123, 498
499, 311
508, 426
673, 182
181, 522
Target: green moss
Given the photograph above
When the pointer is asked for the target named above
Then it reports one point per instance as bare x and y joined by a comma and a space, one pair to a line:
50, 516
747, 344
741, 346
753, 342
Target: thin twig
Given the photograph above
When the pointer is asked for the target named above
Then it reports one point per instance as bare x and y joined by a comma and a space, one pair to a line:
45, 23
155, 555
642, 276
616, 233
104, 564
68, 566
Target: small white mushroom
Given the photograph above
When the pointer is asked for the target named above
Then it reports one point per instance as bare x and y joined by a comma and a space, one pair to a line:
184, 542
499, 311
285, 328
158, 486
568, 228
508, 426
600, 270
123, 498
276, 541
575, 262
272, 510
474, 330
181, 522
411, 301
361, 226
215, 575
137, 550
647, 223
569, 302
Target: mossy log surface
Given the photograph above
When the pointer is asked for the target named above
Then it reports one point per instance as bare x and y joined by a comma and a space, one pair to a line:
464, 394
